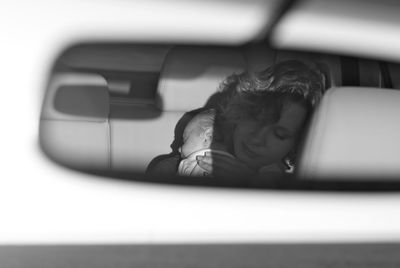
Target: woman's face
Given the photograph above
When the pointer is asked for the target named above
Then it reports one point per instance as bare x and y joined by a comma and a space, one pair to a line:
259, 144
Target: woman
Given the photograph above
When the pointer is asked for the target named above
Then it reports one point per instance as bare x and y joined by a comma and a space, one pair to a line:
263, 116
260, 118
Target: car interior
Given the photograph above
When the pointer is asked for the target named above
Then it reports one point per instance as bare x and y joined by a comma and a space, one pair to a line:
122, 78
113, 107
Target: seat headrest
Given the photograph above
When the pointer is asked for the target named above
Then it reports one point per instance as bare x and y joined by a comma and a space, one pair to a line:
354, 134
74, 124
76, 96
190, 75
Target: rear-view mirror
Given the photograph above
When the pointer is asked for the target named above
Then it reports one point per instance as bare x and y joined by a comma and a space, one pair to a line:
222, 116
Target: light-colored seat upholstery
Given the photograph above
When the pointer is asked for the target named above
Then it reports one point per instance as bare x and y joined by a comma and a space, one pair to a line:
74, 129
354, 134
190, 75
135, 142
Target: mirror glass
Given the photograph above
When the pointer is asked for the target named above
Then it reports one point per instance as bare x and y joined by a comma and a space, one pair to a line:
228, 116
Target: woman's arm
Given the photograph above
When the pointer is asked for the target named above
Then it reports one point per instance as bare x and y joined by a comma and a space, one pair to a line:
220, 165
231, 172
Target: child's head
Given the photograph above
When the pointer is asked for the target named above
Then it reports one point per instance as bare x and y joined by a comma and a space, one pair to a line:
198, 133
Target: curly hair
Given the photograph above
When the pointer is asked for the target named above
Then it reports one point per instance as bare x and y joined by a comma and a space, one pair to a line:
252, 94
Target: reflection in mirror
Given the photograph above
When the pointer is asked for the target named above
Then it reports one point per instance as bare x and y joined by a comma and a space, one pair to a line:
86, 101
221, 116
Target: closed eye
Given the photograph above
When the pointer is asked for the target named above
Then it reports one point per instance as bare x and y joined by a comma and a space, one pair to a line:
282, 133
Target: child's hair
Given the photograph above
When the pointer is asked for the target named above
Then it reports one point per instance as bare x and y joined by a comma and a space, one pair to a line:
208, 119
203, 120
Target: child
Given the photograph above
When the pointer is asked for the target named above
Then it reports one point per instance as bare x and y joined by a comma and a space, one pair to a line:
198, 138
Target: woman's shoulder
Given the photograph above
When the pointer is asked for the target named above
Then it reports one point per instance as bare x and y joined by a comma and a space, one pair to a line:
164, 165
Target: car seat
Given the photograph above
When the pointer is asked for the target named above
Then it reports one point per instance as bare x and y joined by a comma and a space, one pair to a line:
354, 134
74, 128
